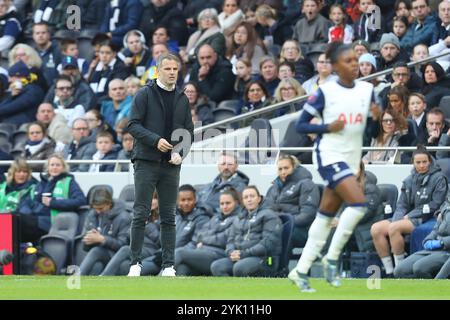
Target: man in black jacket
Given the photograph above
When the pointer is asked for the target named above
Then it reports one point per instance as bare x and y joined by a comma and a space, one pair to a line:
160, 119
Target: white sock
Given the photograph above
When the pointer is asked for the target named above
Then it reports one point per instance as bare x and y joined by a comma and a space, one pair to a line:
399, 258
388, 264
347, 223
317, 237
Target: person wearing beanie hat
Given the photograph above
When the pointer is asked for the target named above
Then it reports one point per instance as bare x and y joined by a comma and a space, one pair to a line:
20, 104
390, 52
361, 47
367, 64
389, 38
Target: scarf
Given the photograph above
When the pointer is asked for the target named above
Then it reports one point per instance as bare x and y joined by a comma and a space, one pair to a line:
115, 16
96, 166
34, 146
197, 37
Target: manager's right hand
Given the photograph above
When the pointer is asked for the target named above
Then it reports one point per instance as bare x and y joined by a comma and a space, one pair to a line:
164, 146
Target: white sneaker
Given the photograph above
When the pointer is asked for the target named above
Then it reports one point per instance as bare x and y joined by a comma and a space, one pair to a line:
135, 270
168, 272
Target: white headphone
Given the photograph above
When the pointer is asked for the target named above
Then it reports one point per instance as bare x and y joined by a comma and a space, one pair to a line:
141, 37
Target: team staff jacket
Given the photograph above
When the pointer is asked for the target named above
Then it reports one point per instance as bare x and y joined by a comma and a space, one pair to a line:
188, 223
255, 234
147, 123
298, 195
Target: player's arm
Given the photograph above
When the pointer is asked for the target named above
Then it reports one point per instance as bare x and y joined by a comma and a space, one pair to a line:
313, 108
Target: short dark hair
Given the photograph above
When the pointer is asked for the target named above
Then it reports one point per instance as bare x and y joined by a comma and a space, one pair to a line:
187, 188
436, 111
426, 1
101, 196
66, 42
400, 64
254, 188
104, 134
63, 77
39, 124
335, 49
99, 38
42, 23
406, 2
289, 64
422, 150
233, 193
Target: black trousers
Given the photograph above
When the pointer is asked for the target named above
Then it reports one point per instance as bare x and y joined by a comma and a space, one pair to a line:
195, 262
247, 267
29, 229
164, 178
422, 265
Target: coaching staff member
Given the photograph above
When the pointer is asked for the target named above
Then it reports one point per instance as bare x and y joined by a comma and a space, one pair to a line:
158, 110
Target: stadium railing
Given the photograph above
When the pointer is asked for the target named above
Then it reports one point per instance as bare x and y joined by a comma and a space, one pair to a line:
279, 105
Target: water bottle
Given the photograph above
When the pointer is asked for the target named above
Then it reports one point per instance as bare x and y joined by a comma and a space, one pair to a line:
387, 210
426, 209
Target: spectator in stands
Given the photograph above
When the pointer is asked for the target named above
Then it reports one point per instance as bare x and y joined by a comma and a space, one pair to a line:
398, 100
82, 93
10, 26
391, 127
125, 153
292, 52
420, 31
403, 8
361, 47
25, 53
152, 73
287, 90
213, 74
251, 251
120, 262
340, 31
268, 67
229, 177
208, 33
53, 13
437, 84
132, 85
390, 52
37, 212
441, 36
413, 208
65, 102
286, 70
313, 27
444, 141
48, 51
419, 52
400, 27
201, 107
362, 29
256, 96
427, 264
243, 77
367, 64
97, 123
81, 143
105, 231
119, 106
55, 123
96, 42
161, 35
417, 106
193, 8
209, 242
246, 44
230, 17
105, 150
19, 184
120, 126
324, 75
136, 55
293, 192
39, 145
436, 127
20, 104
276, 28
108, 68
69, 48
164, 13
120, 17
92, 13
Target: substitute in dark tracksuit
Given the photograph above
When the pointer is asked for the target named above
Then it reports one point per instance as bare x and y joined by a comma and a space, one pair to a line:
105, 231
190, 217
161, 124
293, 192
209, 242
434, 261
254, 241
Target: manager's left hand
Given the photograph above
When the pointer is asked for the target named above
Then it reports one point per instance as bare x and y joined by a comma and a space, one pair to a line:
175, 159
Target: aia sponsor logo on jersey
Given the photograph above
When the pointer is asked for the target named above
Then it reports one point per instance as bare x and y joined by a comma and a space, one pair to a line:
351, 118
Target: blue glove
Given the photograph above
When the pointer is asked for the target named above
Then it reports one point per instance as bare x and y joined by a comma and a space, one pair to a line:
432, 245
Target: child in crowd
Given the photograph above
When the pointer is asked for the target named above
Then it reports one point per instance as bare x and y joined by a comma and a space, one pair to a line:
69, 47
340, 31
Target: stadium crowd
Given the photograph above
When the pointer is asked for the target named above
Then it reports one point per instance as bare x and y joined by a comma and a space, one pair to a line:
66, 94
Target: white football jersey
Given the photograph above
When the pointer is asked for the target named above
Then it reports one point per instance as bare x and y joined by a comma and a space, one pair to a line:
332, 102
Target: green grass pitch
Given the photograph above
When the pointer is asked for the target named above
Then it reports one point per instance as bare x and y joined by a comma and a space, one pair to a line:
209, 288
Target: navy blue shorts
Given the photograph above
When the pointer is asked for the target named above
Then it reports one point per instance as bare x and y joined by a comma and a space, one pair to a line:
335, 173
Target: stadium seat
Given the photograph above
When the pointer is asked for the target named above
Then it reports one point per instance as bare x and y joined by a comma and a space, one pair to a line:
291, 139
98, 186
78, 251
444, 164
286, 243
5, 147
222, 113
85, 48
274, 50
82, 214
444, 105
389, 195
19, 138
4, 136
16, 152
8, 127
87, 34
256, 139
315, 51
231, 104
61, 34
58, 243
127, 195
